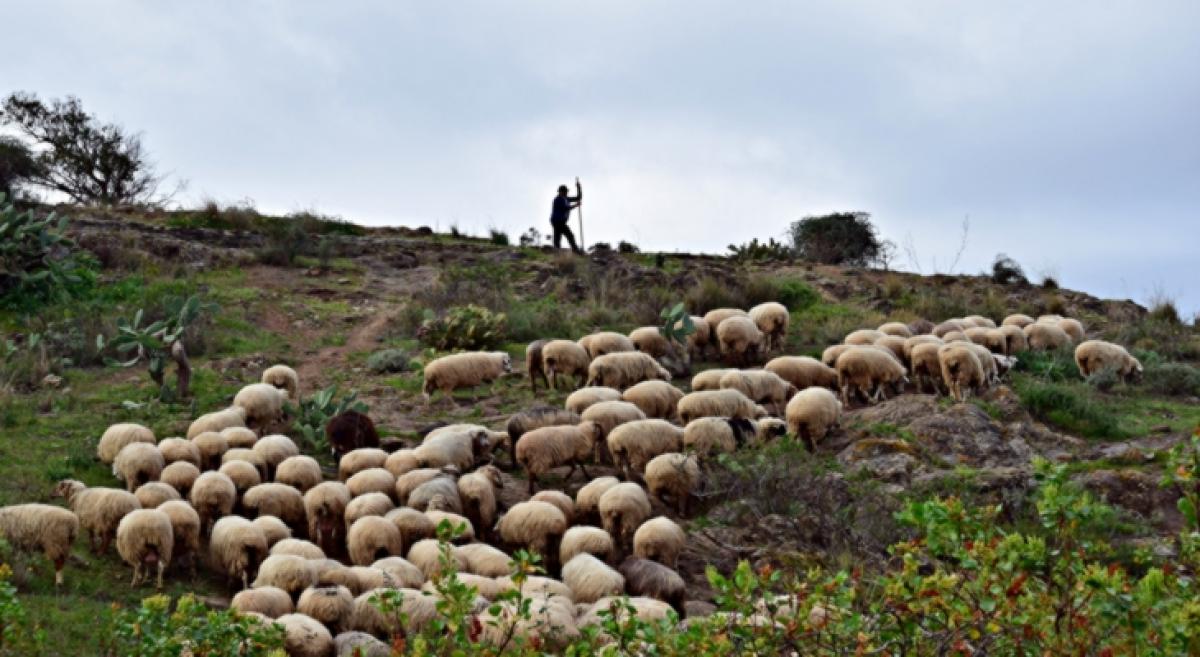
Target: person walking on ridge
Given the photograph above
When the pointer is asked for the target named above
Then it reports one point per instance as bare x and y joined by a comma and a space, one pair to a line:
560, 214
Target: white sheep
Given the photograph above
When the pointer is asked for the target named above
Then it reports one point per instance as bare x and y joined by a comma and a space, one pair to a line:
709, 379
262, 402
633, 444
1018, 320
863, 337
237, 547
772, 319
270, 601
357, 460
739, 339
279, 500
485, 560
868, 371
558, 499
288, 572
298, 547
325, 509
118, 436
247, 455
372, 480
898, 329
275, 449
304, 636
623, 508
465, 370
138, 463
145, 539
659, 539
961, 369
234, 416
179, 449
605, 342
273, 528
1014, 339
761, 386
1044, 336
577, 402
718, 403
811, 414
926, 366
565, 358
243, 474
1095, 356
802, 372
546, 448
30, 527
587, 498
591, 579
479, 491
623, 369
180, 475
185, 524
99, 510
284, 377
713, 319
372, 538
657, 399
239, 437
212, 447
440, 493
300, 472
330, 605
401, 461
535, 526
672, 475
708, 436
153, 493
213, 495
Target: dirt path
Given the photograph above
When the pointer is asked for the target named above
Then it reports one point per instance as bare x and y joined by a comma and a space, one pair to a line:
363, 337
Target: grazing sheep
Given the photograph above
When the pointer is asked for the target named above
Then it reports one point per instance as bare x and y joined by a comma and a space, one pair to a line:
739, 340
213, 495
279, 500
979, 321
536, 418
713, 319
1018, 320
961, 369
299, 472
486, 588
673, 475
977, 335
709, 379
659, 539
239, 437
212, 447
650, 341
270, 601
584, 539
533, 364
565, 358
644, 609
830, 355
297, 547
355, 461
464, 532
243, 474
623, 369
30, 527
485, 560
558, 499
304, 636
644, 577
465, 370
894, 344
761, 386
180, 475
915, 340
605, 342
325, 508
462, 449
154, 493
709, 436
547, 622
718, 403
246, 456
926, 366
426, 554
699, 339
262, 402
408, 482
372, 538
802, 372
772, 319
284, 377
591, 579
956, 336
1073, 328
179, 449
579, 401
623, 508
288, 572
215, 422
478, 491
237, 547
949, 326
185, 525
898, 329
811, 414
275, 449
372, 480
145, 539
987, 360
657, 399
117, 436
921, 326
273, 528
444, 487
1096, 355
418, 608
611, 414
633, 444
868, 372
401, 571
400, 462
331, 605
1044, 336
535, 526
863, 337
546, 448
138, 463
587, 498
350, 430
99, 510
1014, 339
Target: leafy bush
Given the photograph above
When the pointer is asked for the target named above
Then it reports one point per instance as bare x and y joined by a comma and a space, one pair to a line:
1104, 380
388, 361
154, 630
843, 238
1069, 407
17, 166
531, 237
18, 636
498, 237
1053, 365
465, 327
38, 262
314, 412
533, 320
798, 295
1175, 379
1006, 271
160, 341
627, 247
755, 251
283, 244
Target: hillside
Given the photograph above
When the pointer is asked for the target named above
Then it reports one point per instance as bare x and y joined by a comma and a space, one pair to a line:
324, 297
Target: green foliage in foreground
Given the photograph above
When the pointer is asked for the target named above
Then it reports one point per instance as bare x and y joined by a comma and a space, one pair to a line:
962, 585
38, 262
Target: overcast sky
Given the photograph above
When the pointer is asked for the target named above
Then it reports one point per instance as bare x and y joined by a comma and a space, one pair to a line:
1069, 133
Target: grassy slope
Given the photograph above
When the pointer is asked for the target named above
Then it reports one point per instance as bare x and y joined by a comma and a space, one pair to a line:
273, 315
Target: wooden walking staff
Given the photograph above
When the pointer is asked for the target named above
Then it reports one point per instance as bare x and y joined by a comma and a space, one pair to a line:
579, 193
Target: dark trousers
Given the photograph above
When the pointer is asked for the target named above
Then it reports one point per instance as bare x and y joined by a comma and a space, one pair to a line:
559, 231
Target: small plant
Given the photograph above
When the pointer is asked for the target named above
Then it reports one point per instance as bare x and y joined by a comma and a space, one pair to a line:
155, 630
756, 251
38, 262
1049, 282
531, 237
1006, 271
600, 247
314, 412
1069, 407
464, 327
18, 636
1175, 379
285, 241
159, 342
1105, 380
327, 248
388, 361
498, 237
627, 247
677, 324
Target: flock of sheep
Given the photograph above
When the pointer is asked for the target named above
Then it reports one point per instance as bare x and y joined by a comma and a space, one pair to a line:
312, 554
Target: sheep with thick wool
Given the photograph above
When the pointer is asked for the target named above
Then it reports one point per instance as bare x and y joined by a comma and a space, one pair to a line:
644, 577
462, 449
465, 370
304, 636
243, 474
926, 366
355, 461
213, 495
216, 421
648, 610
583, 539
659, 539
1019, 320
713, 319
894, 344
811, 414
372, 538
117, 436
533, 364
442, 490
138, 463
239, 437
279, 500
298, 547
699, 339
401, 571
273, 528
270, 601
212, 447
956, 336
409, 481
761, 386
979, 321
299, 472
657, 399
587, 498
949, 326
262, 402
1014, 339
426, 554
898, 329
739, 340
153, 493
772, 320
605, 342
863, 337
534, 418
709, 436
675, 476
911, 343
32, 527
831, 353
1095, 356
479, 491
372, 480
180, 475
418, 608
484, 560
961, 368
547, 621
802, 372
1044, 336
718, 403
987, 360
1073, 328
331, 605
921, 326
710, 379
246, 455
284, 378
400, 462
535, 526
185, 525
650, 341
624, 369
544, 449
868, 371
179, 449
359, 644
633, 444
325, 509
623, 508
579, 401
288, 572
465, 533
237, 547
591, 579
98, 509
565, 359
275, 449
558, 499
145, 540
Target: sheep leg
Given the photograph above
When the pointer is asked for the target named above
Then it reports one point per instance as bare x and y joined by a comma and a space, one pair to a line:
807, 438
585, 472
162, 565
570, 472
59, 562
532, 482
137, 572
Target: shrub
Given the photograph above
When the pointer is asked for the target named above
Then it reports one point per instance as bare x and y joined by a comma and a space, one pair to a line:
1070, 408
18, 636
388, 361
1104, 380
754, 251
1057, 365
531, 237
284, 242
533, 320
600, 247
38, 262
161, 341
797, 295
17, 166
465, 327
1049, 282
1006, 271
498, 237
758, 289
316, 410
843, 238
710, 293
627, 247
154, 630
1175, 379
1163, 309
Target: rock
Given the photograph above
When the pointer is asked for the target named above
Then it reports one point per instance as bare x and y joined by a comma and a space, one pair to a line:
965, 435
699, 608
1132, 489
893, 468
